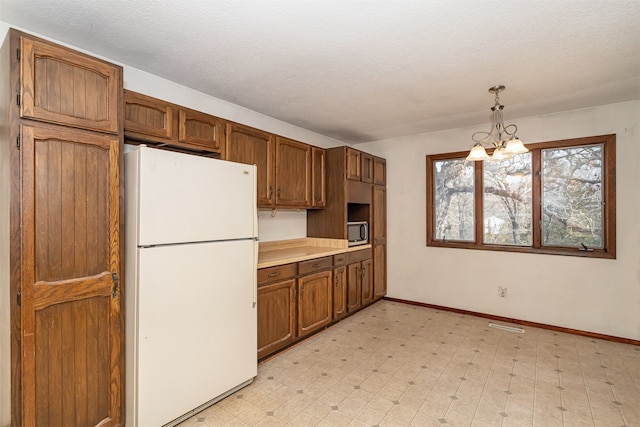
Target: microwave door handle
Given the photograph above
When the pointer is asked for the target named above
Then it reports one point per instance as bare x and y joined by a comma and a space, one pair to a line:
363, 232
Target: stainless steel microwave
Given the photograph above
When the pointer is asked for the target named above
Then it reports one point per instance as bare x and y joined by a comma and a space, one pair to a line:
358, 233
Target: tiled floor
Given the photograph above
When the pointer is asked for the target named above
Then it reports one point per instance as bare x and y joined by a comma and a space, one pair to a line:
394, 364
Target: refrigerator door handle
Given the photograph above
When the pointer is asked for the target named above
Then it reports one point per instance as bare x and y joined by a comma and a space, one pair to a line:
255, 204
255, 273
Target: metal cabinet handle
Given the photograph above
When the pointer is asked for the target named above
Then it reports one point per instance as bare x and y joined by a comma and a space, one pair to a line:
315, 265
274, 274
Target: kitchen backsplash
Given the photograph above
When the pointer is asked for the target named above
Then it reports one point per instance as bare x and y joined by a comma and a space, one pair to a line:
283, 226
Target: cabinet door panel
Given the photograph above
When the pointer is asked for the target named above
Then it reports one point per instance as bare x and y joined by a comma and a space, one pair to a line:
367, 281
147, 116
319, 197
276, 316
379, 234
379, 226
59, 85
354, 286
367, 167
354, 167
70, 293
200, 129
293, 173
379, 171
380, 271
254, 147
315, 307
339, 292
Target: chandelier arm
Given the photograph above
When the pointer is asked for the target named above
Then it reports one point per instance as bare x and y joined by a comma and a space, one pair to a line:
485, 135
515, 129
499, 135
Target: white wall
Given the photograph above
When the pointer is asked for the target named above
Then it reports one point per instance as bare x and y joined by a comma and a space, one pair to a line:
149, 84
596, 295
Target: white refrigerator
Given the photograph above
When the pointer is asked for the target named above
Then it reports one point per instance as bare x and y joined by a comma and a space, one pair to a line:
190, 290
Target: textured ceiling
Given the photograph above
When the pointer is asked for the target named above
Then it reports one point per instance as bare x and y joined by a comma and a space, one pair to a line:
364, 70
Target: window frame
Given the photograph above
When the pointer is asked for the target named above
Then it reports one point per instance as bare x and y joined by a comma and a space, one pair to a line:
609, 199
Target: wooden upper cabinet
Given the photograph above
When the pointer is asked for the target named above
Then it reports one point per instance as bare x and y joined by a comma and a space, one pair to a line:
59, 85
293, 173
367, 167
354, 166
359, 166
145, 116
254, 147
319, 179
379, 171
155, 121
201, 129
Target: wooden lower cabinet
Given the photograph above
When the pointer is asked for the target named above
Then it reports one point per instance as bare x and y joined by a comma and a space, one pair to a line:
354, 287
359, 279
276, 316
379, 271
359, 284
339, 292
297, 299
367, 281
315, 307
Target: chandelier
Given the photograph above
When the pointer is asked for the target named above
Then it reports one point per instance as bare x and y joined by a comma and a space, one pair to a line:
503, 138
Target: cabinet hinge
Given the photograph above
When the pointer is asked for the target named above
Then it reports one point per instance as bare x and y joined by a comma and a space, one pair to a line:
19, 298
18, 53
18, 99
18, 141
114, 293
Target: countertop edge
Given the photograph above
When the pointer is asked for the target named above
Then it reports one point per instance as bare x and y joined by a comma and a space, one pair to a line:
288, 259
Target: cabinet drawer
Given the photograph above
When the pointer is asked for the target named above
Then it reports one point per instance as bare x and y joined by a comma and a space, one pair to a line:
339, 260
307, 267
273, 274
358, 256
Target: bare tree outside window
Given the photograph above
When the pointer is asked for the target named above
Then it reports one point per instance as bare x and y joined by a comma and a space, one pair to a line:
559, 198
507, 201
572, 196
454, 200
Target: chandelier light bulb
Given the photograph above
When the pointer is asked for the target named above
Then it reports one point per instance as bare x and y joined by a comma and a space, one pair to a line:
502, 137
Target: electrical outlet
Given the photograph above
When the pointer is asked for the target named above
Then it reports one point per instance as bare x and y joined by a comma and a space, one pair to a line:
502, 291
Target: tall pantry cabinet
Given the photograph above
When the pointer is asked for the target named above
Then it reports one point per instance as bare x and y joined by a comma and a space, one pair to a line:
64, 199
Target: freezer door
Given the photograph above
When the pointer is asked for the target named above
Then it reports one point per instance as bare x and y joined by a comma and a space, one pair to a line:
188, 198
196, 327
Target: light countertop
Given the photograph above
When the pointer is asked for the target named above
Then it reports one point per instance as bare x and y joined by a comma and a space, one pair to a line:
271, 254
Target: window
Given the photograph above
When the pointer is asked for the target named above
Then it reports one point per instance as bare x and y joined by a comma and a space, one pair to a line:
559, 198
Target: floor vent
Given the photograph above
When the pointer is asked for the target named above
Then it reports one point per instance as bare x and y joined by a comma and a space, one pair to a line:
506, 328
